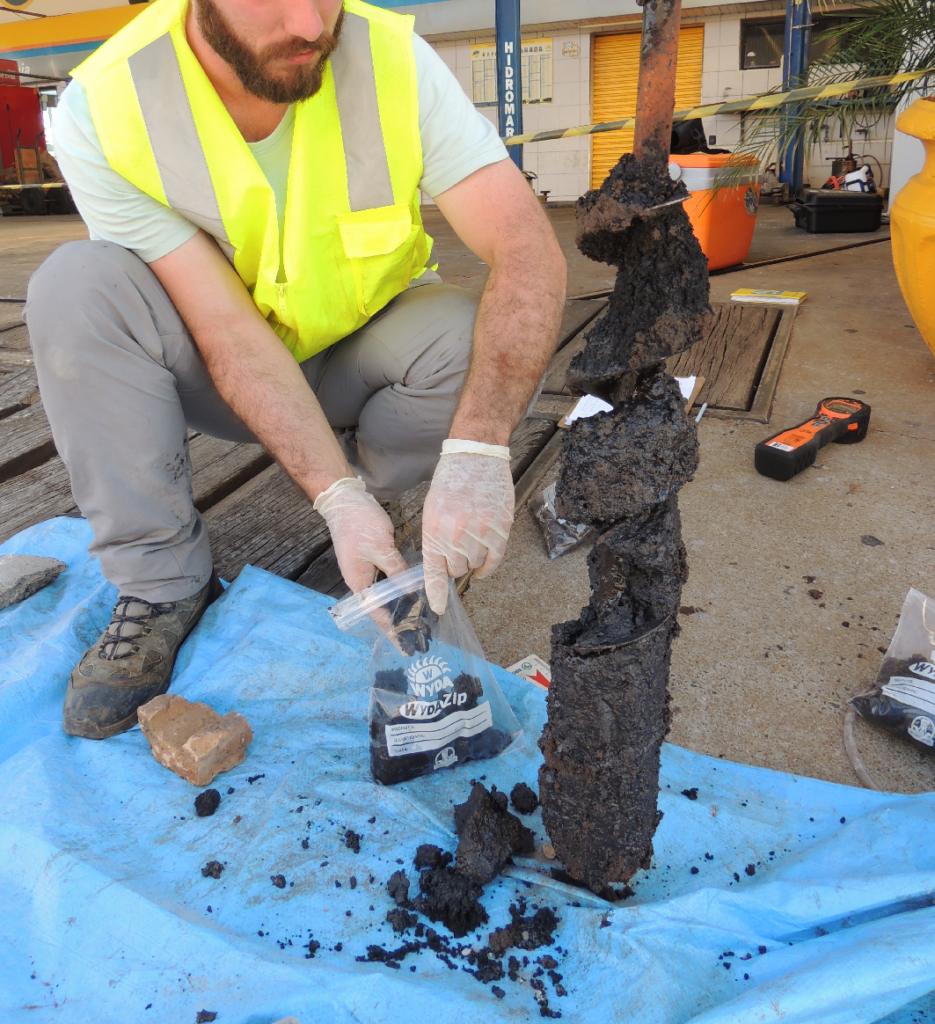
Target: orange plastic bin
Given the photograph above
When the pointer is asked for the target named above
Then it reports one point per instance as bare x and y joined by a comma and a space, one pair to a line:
723, 222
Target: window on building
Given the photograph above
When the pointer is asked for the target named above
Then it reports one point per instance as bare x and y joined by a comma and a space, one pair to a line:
536, 73
762, 41
761, 44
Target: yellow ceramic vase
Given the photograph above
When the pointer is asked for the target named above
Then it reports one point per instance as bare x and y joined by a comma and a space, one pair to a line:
912, 220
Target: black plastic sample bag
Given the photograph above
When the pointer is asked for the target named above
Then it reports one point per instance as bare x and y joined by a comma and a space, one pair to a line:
903, 696
434, 703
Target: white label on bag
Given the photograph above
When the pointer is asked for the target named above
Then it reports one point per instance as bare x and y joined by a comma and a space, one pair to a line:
923, 668
916, 693
923, 730
415, 738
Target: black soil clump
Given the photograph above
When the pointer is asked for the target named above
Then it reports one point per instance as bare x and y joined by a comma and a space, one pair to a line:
428, 856
352, 840
398, 886
212, 869
488, 834
451, 899
524, 932
608, 701
401, 920
450, 895
278, 880
207, 803
205, 1016
523, 798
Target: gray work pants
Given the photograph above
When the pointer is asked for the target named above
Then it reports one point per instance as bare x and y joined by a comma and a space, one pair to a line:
122, 382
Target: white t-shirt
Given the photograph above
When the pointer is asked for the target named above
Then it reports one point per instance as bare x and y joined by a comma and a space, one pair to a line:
456, 141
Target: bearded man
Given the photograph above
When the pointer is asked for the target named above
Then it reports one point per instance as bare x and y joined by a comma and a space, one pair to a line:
249, 172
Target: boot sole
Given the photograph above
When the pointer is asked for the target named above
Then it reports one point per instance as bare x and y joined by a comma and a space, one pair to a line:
92, 731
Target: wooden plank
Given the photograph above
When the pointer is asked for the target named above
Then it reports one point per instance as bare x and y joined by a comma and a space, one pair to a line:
35, 495
269, 523
557, 373
552, 407
528, 483
528, 440
220, 467
25, 441
578, 314
731, 356
324, 576
45, 491
18, 390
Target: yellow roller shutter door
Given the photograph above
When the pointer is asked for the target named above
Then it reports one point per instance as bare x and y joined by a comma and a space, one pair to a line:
614, 72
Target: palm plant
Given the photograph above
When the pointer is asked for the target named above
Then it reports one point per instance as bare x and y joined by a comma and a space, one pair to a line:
878, 38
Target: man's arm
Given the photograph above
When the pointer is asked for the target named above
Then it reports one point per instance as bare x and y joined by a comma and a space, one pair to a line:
469, 509
496, 215
257, 376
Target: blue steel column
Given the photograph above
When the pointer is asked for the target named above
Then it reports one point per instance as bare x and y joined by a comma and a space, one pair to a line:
794, 65
509, 74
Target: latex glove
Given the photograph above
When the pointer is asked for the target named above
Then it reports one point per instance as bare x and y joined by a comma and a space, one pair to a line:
467, 516
361, 532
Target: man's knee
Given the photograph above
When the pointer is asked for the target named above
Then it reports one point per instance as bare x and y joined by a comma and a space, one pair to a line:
91, 292
76, 274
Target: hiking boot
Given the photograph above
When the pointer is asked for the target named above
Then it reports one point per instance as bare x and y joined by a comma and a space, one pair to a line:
131, 662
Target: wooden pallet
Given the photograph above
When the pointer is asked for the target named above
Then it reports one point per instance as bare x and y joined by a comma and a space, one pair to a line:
255, 514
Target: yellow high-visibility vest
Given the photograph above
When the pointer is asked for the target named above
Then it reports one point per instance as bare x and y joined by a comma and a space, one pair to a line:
353, 237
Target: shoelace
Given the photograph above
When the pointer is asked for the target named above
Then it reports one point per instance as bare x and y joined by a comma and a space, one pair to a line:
132, 620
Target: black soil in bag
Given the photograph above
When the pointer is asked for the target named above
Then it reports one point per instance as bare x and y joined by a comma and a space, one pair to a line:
903, 700
608, 701
390, 696
434, 701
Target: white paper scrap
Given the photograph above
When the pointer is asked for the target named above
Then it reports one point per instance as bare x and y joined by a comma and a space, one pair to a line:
686, 386
586, 407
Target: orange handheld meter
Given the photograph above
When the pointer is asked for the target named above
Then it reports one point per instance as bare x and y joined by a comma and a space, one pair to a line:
841, 420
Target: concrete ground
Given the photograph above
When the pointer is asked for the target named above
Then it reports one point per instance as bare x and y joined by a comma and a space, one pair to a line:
762, 671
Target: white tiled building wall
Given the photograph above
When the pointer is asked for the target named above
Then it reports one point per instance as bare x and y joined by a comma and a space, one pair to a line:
563, 165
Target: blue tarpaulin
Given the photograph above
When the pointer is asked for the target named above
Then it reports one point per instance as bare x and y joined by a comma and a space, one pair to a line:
771, 897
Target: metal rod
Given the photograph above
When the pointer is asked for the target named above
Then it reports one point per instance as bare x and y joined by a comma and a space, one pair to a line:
655, 97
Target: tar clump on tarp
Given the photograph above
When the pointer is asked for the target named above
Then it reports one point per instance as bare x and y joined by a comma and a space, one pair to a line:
207, 803
608, 701
524, 798
902, 699
449, 891
434, 702
212, 869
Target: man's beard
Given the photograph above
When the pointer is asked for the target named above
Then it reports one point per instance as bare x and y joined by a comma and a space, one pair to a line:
251, 67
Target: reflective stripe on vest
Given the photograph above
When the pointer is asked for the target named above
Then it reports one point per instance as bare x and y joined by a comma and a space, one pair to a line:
180, 159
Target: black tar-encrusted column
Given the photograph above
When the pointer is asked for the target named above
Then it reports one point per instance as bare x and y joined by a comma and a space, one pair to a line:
621, 472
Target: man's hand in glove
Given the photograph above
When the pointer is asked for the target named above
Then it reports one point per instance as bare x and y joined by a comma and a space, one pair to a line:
361, 532
467, 516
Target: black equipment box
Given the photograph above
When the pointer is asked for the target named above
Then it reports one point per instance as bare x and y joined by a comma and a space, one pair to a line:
821, 210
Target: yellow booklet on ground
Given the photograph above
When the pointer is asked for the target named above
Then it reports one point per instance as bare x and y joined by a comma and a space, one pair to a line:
767, 295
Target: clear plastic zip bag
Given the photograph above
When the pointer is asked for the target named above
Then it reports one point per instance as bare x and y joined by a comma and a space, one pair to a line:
560, 536
902, 699
434, 703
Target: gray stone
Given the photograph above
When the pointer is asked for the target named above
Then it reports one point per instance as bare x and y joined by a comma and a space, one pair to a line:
22, 575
